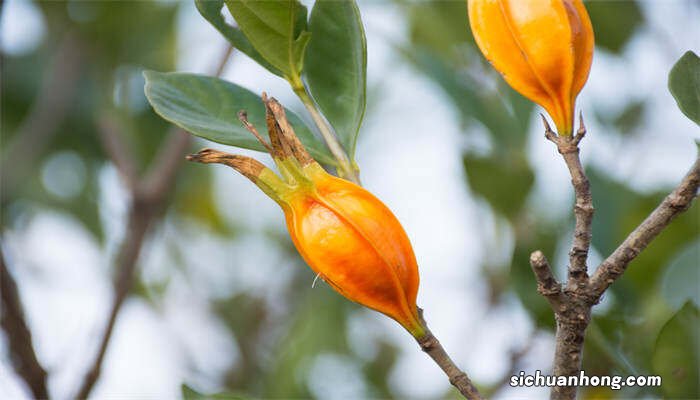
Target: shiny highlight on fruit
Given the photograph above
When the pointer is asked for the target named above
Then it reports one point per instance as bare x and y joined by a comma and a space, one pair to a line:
343, 232
543, 49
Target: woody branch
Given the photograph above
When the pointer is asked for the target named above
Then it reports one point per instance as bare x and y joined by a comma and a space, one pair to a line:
572, 302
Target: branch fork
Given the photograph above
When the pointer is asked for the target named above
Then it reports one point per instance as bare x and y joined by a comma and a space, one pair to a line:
572, 302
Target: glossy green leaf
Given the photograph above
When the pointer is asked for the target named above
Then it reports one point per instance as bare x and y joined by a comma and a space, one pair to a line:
208, 107
684, 84
211, 11
335, 67
277, 30
614, 22
680, 281
677, 352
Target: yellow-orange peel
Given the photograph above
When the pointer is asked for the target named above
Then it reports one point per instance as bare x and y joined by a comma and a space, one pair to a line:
343, 232
543, 49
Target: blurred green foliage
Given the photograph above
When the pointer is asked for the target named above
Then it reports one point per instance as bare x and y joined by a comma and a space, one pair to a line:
614, 22
108, 44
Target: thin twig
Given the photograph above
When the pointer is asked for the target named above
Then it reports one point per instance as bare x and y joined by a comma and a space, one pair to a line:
243, 117
572, 306
457, 377
547, 285
147, 203
515, 357
675, 203
583, 206
19, 336
346, 168
223, 61
148, 200
117, 150
583, 210
141, 215
54, 99
159, 177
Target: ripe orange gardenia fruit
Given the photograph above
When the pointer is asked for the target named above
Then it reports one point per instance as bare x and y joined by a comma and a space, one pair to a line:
543, 49
343, 232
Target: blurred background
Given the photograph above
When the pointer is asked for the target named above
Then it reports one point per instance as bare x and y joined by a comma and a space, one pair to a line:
218, 300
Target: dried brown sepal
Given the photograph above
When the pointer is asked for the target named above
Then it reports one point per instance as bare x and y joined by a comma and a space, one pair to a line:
243, 117
285, 142
249, 167
280, 149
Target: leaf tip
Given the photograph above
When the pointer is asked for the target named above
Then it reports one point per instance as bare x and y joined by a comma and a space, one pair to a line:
149, 74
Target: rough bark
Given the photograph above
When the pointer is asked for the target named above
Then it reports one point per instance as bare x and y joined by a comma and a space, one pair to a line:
675, 203
572, 303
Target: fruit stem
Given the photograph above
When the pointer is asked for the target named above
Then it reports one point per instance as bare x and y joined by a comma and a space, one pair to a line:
345, 165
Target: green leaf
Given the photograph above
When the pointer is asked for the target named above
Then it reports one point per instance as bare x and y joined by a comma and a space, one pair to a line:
684, 84
677, 352
208, 107
277, 30
188, 393
614, 22
680, 281
211, 11
336, 67
504, 182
